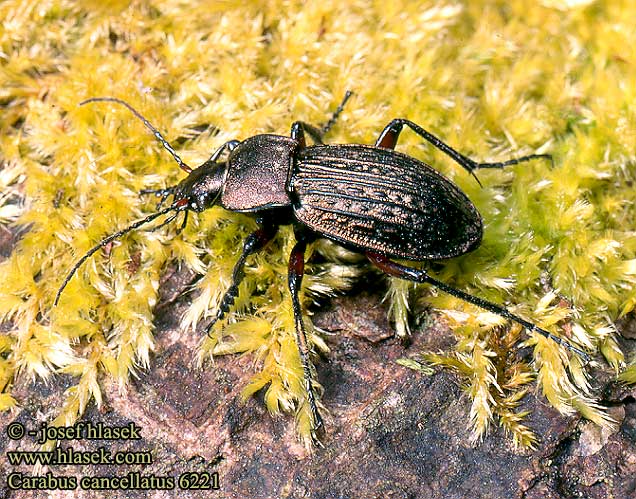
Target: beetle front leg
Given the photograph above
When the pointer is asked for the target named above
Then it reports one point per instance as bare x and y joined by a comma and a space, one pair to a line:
254, 242
299, 128
230, 145
420, 275
389, 137
296, 272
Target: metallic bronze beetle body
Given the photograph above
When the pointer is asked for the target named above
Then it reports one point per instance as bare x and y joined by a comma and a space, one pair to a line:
371, 199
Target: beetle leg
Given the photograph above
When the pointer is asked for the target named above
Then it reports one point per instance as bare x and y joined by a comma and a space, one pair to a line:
327, 126
420, 275
298, 130
316, 133
229, 145
184, 223
168, 220
254, 242
296, 272
389, 137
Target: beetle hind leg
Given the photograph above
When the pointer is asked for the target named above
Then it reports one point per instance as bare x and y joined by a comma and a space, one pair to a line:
296, 272
389, 137
420, 275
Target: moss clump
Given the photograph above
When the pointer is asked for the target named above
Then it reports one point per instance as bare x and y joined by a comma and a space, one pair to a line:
493, 79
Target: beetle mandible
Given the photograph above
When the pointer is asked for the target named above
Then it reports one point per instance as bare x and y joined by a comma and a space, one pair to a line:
371, 199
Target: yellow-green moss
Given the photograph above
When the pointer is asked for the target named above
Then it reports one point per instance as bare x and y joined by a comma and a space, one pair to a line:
493, 79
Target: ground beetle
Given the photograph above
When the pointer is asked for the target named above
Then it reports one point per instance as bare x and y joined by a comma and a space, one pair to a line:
370, 199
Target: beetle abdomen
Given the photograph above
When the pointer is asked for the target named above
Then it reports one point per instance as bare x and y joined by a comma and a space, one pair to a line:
383, 201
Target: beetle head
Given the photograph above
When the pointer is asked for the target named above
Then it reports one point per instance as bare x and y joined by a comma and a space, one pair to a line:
201, 189
197, 192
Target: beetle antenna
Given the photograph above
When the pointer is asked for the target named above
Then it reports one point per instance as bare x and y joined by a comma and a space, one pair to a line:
105, 241
154, 131
165, 222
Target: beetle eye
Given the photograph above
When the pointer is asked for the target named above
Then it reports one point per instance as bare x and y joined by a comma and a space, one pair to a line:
181, 203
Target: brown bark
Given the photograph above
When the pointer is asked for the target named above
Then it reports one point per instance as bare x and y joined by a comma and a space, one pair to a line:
391, 432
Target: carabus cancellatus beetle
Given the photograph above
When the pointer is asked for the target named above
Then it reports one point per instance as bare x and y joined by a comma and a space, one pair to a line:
371, 199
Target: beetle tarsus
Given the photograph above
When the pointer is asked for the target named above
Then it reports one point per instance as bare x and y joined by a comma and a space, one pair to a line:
254, 242
515, 161
420, 275
226, 302
389, 137
334, 117
164, 223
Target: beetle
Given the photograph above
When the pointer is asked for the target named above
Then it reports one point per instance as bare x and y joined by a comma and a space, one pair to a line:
371, 199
